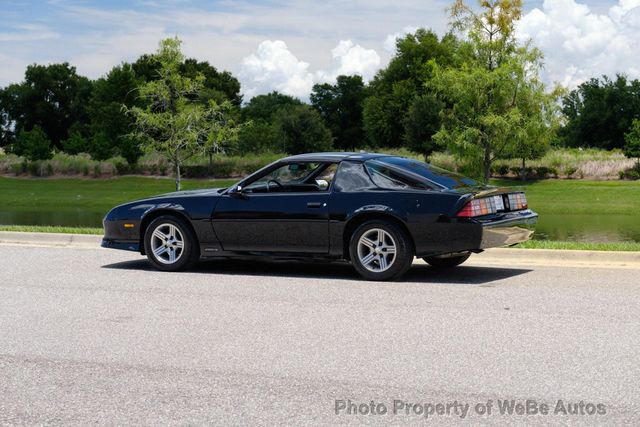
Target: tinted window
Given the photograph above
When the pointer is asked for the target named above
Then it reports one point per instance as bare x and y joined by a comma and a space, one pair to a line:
385, 177
432, 173
351, 176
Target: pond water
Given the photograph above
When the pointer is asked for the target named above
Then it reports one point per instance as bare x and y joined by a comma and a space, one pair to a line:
575, 228
588, 228
62, 217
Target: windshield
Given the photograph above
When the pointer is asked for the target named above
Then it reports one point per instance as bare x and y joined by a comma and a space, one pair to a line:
441, 177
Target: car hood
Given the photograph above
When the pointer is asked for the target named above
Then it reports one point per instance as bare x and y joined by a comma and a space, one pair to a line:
191, 193
168, 199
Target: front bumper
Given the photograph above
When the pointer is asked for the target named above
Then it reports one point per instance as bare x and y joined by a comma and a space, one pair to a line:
508, 229
117, 236
127, 245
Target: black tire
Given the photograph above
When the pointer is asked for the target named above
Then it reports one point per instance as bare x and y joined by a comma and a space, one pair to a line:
448, 262
188, 255
397, 266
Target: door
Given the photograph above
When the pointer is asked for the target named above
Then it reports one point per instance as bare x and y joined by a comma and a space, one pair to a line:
284, 210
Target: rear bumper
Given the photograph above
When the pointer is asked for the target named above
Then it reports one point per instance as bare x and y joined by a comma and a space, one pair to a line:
509, 229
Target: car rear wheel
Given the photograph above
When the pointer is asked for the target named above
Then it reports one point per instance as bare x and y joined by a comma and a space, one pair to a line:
170, 244
447, 262
380, 250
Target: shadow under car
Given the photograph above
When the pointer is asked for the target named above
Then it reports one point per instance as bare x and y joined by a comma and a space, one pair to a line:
419, 273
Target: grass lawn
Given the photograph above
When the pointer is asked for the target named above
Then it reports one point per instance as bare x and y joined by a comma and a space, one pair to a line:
580, 246
51, 229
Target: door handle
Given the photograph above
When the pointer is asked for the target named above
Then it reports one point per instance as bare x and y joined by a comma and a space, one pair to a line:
315, 205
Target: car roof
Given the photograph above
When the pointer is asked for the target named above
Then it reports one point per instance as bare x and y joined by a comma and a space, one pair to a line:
332, 157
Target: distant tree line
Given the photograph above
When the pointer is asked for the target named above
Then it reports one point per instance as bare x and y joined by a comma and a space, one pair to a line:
478, 96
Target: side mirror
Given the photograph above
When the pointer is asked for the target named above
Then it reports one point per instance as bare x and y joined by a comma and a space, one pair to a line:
237, 192
323, 184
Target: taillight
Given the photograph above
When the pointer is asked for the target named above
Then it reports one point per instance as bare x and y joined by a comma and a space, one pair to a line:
493, 204
479, 207
517, 201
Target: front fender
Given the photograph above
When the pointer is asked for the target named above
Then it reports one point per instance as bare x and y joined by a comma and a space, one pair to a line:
124, 224
151, 211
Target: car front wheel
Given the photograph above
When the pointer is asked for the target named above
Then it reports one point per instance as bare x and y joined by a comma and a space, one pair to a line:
380, 250
170, 244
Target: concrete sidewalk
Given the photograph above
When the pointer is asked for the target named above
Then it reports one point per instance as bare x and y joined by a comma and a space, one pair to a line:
501, 256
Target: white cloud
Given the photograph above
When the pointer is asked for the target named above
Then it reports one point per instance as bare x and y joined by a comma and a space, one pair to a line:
28, 32
274, 67
350, 59
579, 43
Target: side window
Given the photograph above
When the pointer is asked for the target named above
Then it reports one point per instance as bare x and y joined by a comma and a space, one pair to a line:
291, 177
387, 178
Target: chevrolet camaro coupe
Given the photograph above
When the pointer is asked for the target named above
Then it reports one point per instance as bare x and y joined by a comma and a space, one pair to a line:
374, 210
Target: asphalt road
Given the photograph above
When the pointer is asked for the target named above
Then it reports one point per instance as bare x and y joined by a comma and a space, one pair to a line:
97, 337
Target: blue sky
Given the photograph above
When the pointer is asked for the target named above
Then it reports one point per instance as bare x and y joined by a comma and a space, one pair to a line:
288, 45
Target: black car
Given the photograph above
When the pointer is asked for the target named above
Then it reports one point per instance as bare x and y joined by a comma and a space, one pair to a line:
376, 211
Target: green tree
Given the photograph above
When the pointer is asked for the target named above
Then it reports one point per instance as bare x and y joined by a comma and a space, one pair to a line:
496, 104
218, 86
111, 126
599, 112
223, 130
147, 68
394, 88
261, 134
632, 142
533, 138
421, 123
101, 146
258, 137
172, 122
33, 144
264, 107
300, 129
340, 105
76, 143
53, 97
6, 135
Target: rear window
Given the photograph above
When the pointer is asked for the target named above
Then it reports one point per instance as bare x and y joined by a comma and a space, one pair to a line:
432, 173
386, 177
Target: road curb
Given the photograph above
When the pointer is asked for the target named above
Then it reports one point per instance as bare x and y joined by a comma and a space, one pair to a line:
498, 256
558, 258
50, 239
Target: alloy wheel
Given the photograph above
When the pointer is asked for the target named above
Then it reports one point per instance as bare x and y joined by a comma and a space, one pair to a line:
376, 250
167, 243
